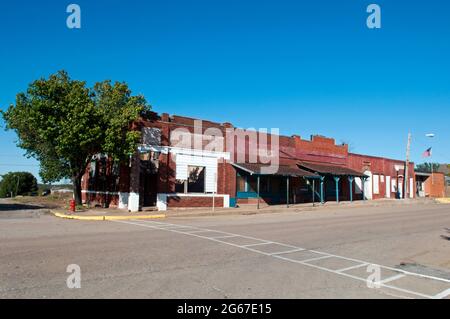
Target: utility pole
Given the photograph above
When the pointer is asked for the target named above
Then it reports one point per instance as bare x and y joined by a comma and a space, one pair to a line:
406, 181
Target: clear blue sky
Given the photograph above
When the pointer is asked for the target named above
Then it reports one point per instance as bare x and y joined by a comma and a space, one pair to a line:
305, 67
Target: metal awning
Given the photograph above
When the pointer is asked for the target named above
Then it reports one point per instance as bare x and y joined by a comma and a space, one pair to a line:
283, 170
422, 174
330, 169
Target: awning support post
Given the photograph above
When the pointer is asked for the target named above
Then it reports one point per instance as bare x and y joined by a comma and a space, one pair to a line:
313, 190
363, 179
321, 189
336, 179
257, 190
350, 179
287, 192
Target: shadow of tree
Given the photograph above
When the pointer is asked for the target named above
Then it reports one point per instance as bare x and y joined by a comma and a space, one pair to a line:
15, 207
444, 236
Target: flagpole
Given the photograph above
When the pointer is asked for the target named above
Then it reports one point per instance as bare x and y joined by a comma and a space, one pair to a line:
431, 135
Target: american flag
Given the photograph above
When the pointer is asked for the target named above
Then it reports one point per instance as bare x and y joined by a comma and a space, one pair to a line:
427, 153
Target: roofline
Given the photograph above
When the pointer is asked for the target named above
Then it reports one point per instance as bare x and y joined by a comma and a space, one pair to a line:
379, 157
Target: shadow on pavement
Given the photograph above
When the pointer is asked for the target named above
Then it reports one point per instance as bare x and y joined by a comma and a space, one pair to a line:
12, 207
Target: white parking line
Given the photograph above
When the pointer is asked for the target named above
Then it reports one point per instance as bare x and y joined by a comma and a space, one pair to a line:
157, 225
352, 267
287, 252
391, 278
223, 237
442, 295
258, 244
317, 258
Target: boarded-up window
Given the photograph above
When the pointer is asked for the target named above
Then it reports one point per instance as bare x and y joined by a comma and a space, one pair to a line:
358, 185
240, 183
151, 136
394, 185
376, 184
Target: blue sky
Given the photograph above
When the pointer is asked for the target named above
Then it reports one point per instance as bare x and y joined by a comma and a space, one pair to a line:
305, 67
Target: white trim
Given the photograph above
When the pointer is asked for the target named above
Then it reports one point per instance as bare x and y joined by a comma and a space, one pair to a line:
184, 151
123, 199
161, 202
243, 168
101, 193
133, 202
195, 195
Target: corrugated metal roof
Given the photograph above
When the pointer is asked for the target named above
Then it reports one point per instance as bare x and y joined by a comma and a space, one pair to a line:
329, 169
283, 170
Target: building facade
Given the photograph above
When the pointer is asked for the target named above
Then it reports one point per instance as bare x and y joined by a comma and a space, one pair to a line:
185, 162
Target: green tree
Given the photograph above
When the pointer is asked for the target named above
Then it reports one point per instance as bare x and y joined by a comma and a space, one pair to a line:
62, 123
426, 167
17, 183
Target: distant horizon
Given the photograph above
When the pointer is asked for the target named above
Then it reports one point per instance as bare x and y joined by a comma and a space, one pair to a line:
306, 68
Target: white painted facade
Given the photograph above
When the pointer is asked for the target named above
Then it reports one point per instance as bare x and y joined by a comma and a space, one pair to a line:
185, 157
368, 186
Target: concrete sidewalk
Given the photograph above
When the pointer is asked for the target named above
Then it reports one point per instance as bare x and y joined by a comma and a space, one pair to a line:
123, 214
296, 208
105, 214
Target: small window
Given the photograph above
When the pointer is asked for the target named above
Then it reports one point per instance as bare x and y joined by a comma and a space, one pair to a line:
180, 186
196, 179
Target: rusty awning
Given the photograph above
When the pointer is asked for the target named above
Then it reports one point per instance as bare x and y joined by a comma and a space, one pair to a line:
324, 169
283, 170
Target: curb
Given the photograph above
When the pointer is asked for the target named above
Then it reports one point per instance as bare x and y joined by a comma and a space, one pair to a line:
104, 218
443, 200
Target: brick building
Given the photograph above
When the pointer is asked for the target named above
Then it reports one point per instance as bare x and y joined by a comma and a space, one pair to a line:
184, 162
430, 184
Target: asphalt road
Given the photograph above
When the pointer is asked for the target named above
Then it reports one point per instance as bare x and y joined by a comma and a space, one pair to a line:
319, 254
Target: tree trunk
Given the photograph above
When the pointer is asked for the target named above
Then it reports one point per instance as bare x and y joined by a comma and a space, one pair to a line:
76, 180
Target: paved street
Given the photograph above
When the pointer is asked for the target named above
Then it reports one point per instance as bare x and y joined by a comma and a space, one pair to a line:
313, 254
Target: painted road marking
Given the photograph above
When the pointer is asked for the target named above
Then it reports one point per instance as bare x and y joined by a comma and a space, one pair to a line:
442, 295
352, 267
227, 236
157, 226
258, 244
317, 258
391, 278
287, 251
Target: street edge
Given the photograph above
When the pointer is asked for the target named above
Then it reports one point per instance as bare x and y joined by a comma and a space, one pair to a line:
105, 218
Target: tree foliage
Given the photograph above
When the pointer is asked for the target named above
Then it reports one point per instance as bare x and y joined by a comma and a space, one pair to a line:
427, 167
18, 183
62, 123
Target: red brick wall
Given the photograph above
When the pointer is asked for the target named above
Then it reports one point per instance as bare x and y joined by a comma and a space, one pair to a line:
435, 185
380, 166
98, 199
174, 201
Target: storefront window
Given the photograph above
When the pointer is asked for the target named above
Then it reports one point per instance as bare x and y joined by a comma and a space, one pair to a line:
196, 179
180, 186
